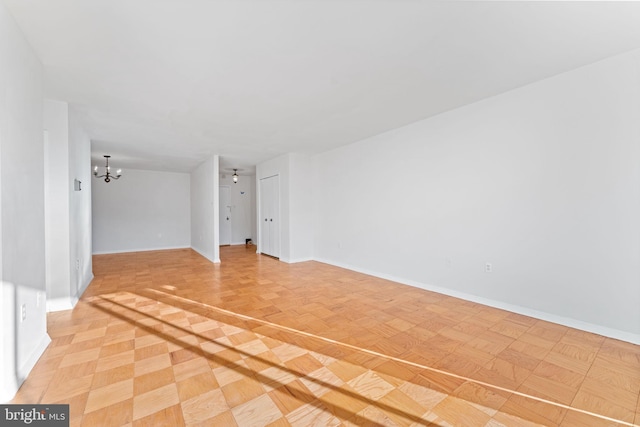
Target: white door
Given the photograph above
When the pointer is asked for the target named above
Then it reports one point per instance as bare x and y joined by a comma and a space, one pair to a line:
270, 216
225, 215
263, 215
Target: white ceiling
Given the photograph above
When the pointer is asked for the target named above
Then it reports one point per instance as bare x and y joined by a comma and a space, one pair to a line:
161, 84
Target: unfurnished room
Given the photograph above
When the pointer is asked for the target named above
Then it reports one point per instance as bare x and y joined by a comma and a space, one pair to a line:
319, 213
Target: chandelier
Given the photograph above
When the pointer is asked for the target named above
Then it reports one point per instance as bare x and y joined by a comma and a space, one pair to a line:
108, 176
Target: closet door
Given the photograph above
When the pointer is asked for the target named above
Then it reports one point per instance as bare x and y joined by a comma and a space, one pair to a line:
265, 242
269, 216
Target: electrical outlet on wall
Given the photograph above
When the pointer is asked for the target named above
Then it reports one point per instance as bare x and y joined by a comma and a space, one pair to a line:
23, 312
77, 263
488, 268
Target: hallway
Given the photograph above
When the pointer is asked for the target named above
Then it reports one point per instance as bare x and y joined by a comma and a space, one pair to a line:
168, 338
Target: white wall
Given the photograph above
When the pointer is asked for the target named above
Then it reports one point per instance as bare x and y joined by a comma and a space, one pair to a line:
67, 212
543, 182
80, 229
205, 224
57, 205
143, 210
243, 207
301, 208
22, 247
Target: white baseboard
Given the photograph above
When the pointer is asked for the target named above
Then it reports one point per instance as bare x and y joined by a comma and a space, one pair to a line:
525, 311
12, 380
295, 260
124, 251
61, 304
27, 366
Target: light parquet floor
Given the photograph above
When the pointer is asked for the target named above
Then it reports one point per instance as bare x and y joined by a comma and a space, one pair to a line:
167, 338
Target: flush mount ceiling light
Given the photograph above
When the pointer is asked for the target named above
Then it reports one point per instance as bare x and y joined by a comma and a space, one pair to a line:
108, 176
235, 176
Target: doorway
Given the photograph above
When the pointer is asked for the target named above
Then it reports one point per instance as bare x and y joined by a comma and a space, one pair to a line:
225, 215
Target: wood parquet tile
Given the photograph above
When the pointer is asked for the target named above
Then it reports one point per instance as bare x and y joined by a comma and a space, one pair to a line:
167, 338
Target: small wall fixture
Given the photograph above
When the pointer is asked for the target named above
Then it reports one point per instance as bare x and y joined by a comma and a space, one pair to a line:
108, 176
235, 176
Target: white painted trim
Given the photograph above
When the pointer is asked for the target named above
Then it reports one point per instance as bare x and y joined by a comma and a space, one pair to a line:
61, 304
28, 365
525, 311
296, 260
124, 251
